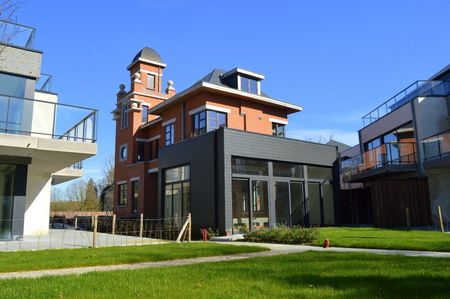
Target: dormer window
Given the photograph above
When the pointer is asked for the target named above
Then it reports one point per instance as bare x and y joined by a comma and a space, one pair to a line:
248, 85
278, 130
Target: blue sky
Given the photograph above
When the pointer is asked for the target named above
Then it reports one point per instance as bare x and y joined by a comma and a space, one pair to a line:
337, 59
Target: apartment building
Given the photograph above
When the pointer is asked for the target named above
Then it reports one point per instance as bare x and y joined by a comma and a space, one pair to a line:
399, 173
42, 142
217, 150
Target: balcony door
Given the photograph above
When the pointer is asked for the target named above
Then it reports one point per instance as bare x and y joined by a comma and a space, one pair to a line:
6, 200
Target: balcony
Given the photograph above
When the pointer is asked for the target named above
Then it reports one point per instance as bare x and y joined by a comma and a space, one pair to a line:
16, 35
47, 119
388, 158
437, 148
417, 89
44, 84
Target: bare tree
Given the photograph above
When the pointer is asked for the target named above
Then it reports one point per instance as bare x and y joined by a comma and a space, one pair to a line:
8, 30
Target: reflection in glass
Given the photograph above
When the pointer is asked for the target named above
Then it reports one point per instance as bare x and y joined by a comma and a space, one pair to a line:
314, 203
328, 205
297, 198
282, 210
6, 199
260, 204
249, 166
240, 205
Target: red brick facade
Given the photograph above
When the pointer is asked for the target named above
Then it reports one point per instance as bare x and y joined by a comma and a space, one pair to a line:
243, 113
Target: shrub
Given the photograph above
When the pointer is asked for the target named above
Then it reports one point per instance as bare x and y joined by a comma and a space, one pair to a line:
284, 235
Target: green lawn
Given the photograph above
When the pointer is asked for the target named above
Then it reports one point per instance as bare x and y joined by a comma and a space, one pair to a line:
384, 238
311, 274
67, 258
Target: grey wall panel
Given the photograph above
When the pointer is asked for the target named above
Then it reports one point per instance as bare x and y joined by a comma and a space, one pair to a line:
199, 153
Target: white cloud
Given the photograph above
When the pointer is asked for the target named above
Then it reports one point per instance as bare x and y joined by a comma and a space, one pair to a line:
323, 135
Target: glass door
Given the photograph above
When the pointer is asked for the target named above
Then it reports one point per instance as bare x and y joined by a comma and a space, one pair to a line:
241, 205
260, 204
6, 199
282, 204
297, 202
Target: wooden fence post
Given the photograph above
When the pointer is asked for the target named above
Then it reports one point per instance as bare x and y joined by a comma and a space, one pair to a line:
92, 222
440, 219
408, 224
114, 224
141, 226
76, 222
94, 233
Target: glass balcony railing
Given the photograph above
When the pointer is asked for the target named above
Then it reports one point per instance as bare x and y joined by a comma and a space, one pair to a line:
417, 89
436, 146
394, 153
47, 119
16, 35
44, 84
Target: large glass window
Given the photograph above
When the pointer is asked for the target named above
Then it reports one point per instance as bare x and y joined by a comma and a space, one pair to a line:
249, 85
249, 166
328, 204
170, 133
282, 206
260, 204
287, 170
278, 130
135, 196
122, 192
320, 173
7, 173
241, 204
208, 120
314, 204
177, 194
297, 199
11, 85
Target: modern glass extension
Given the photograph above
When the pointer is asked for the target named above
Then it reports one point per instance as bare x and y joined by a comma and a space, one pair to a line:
267, 194
177, 194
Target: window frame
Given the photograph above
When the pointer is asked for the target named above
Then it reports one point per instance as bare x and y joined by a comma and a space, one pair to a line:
144, 115
134, 197
122, 194
169, 135
276, 129
196, 119
124, 116
148, 80
123, 147
140, 151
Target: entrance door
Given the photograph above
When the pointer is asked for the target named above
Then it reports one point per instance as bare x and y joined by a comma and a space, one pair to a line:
6, 199
297, 203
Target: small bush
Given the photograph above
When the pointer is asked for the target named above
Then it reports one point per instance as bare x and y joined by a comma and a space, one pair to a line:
284, 235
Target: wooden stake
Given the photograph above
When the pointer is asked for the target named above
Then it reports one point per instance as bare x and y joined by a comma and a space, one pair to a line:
190, 227
440, 218
114, 224
92, 222
94, 234
76, 222
141, 226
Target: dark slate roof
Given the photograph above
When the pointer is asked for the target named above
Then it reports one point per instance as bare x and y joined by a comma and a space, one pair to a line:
341, 146
213, 77
149, 54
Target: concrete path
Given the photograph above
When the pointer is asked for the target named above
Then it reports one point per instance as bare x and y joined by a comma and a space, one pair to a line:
70, 238
276, 249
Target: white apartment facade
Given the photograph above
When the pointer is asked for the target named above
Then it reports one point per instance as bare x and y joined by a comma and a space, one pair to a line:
42, 142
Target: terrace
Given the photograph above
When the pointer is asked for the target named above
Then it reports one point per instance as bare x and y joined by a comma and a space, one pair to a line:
419, 88
387, 158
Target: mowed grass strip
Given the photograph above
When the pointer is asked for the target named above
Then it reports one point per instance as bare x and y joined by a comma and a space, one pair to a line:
303, 275
83, 257
384, 238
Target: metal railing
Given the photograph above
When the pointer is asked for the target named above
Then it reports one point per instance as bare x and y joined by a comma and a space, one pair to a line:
437, 145
44, 83
16, 35
417, 89
394, 153
46, 119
